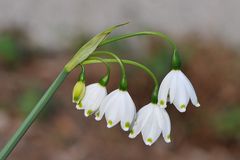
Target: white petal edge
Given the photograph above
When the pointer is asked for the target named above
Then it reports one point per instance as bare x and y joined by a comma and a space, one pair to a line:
151, 134
128, 112
112, 114
141, 119
93, 98
104, 105
166, 130
190, 90
151, 130
173, 86
164, 90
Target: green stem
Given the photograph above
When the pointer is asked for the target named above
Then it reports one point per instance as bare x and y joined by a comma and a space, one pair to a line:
125, 36
176, 62
82, 76
105, 79
123, 83
92, 60
32, 116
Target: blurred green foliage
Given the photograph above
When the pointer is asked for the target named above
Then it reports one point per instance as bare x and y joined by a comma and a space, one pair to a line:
159, 63
9, 49
227, 123
29, 98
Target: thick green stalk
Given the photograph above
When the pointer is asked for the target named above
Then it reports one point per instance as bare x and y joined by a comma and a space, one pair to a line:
93, 60
32, 116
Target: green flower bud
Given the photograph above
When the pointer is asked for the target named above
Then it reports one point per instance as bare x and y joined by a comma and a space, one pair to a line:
78, 91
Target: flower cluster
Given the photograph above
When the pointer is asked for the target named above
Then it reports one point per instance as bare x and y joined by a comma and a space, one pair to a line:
151, 120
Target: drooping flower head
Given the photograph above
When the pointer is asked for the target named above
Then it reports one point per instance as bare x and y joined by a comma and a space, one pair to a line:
152, 121
94, 94
93, 97
118, 106
177, 89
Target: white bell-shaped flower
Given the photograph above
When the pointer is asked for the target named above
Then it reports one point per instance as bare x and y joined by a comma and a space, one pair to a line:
94, 95
152, 120
177, 88
118, 106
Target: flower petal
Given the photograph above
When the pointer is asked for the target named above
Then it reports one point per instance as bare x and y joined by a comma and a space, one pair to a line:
79, 106
105, 104
164, 90
128, 112
173, 86
94, 96
151, 130
190, 90
166, 128
88, 112
112, 114
181, 98
142, 118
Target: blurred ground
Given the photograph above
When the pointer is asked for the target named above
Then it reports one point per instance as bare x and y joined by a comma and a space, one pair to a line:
62, 133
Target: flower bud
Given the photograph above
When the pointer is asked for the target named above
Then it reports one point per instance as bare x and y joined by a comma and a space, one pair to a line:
78, 91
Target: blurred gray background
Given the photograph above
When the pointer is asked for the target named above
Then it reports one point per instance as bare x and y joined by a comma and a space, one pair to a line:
54, 23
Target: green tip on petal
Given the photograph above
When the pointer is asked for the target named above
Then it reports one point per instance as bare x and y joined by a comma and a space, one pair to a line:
97, 114
127, 125
79, 105
161, 102
109, 122
168, 138
132, 132
89, 112
149, 140
182, 106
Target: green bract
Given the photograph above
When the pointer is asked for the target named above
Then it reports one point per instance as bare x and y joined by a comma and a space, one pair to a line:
84, 52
